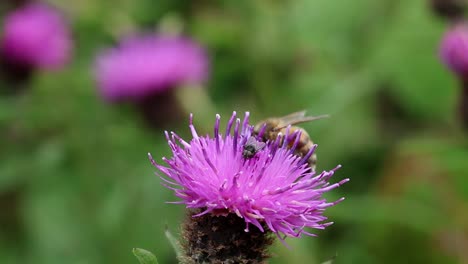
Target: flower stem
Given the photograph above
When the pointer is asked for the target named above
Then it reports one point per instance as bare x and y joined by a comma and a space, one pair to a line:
463, 104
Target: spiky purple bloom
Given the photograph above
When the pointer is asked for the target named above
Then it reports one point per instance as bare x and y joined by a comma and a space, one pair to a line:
454, 49
147, 65
37, 36
273, 189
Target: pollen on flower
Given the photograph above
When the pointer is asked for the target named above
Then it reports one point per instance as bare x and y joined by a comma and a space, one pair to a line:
274, 190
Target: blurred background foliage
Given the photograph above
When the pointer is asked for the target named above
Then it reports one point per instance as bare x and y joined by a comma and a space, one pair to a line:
76, 185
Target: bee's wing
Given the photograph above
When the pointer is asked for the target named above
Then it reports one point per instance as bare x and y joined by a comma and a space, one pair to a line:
288, 119
298, 118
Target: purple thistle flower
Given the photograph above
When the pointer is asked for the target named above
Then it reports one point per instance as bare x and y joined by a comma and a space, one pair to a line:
147, 65
454, 49
36, 36
273, 189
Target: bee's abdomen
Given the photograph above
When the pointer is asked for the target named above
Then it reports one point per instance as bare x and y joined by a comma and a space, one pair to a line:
302, 151
304, 139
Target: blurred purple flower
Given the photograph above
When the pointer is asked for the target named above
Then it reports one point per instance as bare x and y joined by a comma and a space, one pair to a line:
274, 189
454, 49
148, 65
36, 35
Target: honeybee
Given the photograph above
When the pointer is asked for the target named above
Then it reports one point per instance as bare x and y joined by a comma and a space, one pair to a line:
273, 126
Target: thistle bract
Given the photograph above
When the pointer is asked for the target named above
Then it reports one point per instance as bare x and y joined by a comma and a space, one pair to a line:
273, 190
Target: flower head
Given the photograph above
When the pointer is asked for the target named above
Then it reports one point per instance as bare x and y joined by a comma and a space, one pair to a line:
273, 188
454, 49
147, 65
36, 35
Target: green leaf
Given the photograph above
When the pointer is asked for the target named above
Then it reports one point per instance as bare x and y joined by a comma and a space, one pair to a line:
330, 261
144, 256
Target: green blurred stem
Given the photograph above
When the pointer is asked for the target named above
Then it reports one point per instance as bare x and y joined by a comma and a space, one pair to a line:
463, 104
